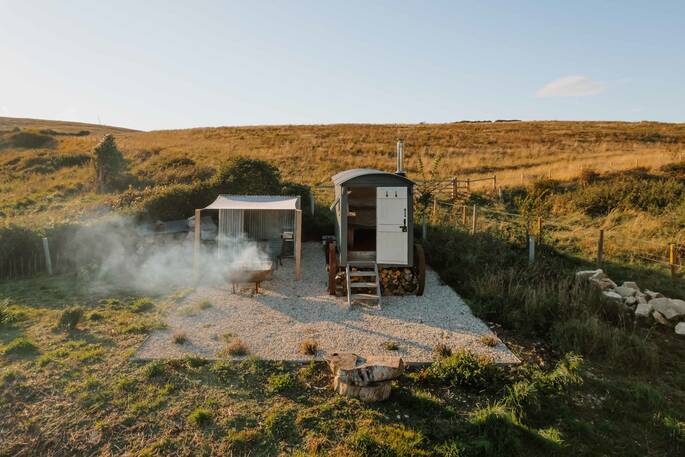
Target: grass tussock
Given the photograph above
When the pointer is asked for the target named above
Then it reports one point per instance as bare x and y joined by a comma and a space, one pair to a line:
309, 347
70, 318
235, 347
390, 346
20, 347
179, 338
463, 368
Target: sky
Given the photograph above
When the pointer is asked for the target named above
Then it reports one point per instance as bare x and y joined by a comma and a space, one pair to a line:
164, 64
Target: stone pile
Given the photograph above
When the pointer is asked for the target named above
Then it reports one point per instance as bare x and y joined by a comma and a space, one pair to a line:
644, 303
368, 379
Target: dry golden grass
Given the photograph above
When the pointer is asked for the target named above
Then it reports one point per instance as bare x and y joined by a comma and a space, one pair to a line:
514, 151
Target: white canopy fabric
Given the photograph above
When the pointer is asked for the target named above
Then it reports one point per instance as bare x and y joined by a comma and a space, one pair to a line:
277, 202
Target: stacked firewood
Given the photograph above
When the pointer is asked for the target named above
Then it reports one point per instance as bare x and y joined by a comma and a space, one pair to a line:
366, 378
394, 281
398, 281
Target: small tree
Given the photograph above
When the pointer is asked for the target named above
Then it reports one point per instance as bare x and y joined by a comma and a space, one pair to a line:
108, 162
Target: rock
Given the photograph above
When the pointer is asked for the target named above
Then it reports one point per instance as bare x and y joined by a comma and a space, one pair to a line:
630, 301
651, 295
641, 298
631, 284
643, 310
669, 308
625, 292
604, 283
587, 274
660, 318
612, 296
680, 328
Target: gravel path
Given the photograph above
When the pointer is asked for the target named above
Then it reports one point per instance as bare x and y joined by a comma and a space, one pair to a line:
273, 323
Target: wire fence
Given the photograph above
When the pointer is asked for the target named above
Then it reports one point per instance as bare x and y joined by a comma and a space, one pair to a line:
599, 244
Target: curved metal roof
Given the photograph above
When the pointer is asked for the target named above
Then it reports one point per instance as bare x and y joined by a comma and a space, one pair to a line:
347, 175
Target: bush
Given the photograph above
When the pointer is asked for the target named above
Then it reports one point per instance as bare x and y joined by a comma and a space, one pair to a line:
463, 369
142, 305
279, 423
70, 317
278, 383
588, 176
20, 346
7, 316
28, 139
241, 175
200, 417
108, 163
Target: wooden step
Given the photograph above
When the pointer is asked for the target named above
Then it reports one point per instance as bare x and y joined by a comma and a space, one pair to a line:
363, 273
364, 296
363, 284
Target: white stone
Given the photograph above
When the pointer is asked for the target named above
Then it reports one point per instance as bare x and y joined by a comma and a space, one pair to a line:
631, 284
612, 296
630, 301
625, 292
599, 274
652, 295
603, 284
586, 274
642, 299
680, 328
669, 308
643, 309
660, 318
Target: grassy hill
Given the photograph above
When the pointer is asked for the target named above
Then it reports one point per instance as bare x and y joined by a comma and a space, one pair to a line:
49, 179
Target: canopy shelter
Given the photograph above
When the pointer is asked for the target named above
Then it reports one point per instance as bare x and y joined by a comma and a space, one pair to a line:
259, 218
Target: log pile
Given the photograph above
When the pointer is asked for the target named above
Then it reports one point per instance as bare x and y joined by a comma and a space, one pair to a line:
368, 379
398, 281
394, 281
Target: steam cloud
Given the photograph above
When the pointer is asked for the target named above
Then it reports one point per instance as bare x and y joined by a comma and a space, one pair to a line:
116, 253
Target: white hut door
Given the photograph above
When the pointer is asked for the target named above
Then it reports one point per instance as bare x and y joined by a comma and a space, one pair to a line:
391, 226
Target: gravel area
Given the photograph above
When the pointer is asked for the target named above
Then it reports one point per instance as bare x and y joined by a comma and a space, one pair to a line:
273, 323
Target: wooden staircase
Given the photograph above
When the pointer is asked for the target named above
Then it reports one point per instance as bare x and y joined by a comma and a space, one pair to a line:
369, 279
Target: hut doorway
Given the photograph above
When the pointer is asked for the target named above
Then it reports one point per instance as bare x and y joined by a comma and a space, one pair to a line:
361, 223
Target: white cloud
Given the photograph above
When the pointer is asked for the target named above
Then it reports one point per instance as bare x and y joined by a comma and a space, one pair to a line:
571, 86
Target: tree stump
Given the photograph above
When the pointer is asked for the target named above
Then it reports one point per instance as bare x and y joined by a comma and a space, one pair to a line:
368, 379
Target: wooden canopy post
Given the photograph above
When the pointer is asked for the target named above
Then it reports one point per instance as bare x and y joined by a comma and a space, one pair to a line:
196, 244
298, 244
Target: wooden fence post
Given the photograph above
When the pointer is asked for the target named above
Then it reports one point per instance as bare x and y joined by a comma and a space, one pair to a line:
600, 248
672, 260
494, 183
468, 185
312, 203
298, 244
434, 215
48, 260
474, 220
463, 215
531, 249
453, 182
197, 245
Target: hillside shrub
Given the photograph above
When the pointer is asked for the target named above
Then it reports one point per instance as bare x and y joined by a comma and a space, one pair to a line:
108, 163
29, 139
278, 383
463, 369
241, 175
